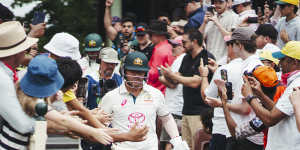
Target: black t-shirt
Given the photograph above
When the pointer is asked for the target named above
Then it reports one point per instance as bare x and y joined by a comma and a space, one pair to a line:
193, 103
147, 50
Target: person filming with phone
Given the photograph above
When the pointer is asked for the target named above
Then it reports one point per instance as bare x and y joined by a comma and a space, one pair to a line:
188, 75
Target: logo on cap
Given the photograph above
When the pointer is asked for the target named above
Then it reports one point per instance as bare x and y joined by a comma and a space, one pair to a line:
92, 43
138, 61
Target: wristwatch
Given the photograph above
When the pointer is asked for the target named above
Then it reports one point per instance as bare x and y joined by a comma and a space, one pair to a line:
250, 98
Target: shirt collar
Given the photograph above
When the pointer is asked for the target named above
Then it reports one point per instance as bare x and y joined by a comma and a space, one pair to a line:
224, 14
7, 70
293, 77
293, 20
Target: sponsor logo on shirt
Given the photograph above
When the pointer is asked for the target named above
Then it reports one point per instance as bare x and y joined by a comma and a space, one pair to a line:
136, 117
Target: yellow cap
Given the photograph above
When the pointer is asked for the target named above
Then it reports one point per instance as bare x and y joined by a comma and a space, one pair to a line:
291, 49
293, 2
267, 54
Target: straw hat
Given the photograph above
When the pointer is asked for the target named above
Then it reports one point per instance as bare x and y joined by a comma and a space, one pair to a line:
13, 39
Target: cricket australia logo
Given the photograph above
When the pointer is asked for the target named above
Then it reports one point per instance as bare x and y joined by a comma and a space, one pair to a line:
136, 117
92, 43
138, 61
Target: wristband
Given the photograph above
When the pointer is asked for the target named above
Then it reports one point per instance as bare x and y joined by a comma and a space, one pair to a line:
250, 98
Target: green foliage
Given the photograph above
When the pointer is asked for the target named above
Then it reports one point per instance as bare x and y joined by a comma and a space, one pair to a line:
77, 17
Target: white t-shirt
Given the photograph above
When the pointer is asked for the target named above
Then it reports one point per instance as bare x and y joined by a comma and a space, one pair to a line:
219, 122
174, 97
149, 104
285, 135
249, 65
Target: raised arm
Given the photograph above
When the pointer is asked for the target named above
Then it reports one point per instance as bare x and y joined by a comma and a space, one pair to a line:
110, 30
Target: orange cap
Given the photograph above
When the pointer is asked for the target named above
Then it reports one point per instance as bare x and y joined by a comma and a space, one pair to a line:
266, 76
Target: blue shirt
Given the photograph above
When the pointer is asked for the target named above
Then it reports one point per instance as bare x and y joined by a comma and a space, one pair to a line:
94, 87
195, 19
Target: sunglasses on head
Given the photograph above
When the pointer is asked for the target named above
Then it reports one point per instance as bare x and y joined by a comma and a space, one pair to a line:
140, 29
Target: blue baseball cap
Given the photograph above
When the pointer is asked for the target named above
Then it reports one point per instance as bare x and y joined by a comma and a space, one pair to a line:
43, 78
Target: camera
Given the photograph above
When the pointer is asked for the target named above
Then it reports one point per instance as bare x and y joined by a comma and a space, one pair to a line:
106, 86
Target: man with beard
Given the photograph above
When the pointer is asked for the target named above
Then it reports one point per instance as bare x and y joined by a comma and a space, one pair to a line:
97, 87
216, 27
120, 39
189, 76
136, 103
108, 59
144, 43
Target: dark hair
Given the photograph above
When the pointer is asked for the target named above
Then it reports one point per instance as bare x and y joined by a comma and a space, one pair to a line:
162, 13
70, 70
269, 31
194, 34
5, 13
206, 118
295, 9
249, 45
128, 19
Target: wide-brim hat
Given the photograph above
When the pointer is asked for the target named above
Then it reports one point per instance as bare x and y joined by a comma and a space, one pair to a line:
64, 45
43, 78
14, 39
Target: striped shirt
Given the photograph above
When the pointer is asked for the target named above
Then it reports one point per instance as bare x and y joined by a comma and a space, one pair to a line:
10, 139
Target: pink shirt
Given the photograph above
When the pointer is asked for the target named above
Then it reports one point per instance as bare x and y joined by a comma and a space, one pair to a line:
162, 54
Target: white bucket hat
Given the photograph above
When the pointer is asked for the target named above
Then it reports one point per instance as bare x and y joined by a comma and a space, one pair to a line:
64, 45
13, 39
109, 55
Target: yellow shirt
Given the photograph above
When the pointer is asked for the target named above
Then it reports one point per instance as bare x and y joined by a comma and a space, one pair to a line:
69, 96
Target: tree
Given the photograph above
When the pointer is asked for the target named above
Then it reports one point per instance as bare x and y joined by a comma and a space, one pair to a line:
77, 17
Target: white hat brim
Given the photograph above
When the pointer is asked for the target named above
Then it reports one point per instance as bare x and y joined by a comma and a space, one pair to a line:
112, 61
19, 48
59, 53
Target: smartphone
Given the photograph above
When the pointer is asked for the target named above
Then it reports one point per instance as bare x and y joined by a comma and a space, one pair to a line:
205, 57
224, 75
82, 88
211, 9
252, 20
229, 93
38, 17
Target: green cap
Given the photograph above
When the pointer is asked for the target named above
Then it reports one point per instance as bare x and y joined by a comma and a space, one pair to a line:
93, 42
136, 61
